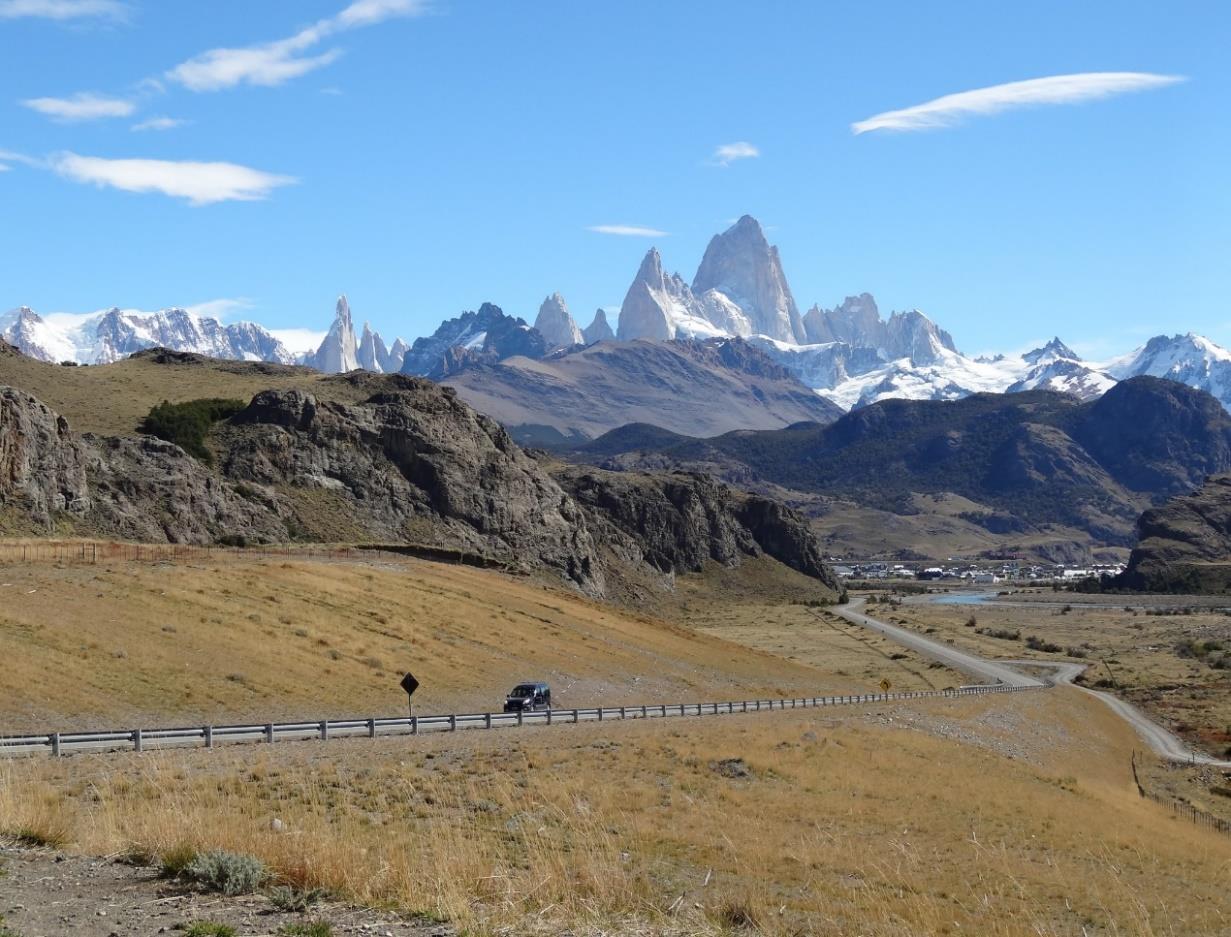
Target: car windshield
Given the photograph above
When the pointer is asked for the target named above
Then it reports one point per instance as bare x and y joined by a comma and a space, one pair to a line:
521, 692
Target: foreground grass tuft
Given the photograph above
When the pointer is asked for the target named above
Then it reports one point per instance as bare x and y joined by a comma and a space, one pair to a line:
315, 929
226, 872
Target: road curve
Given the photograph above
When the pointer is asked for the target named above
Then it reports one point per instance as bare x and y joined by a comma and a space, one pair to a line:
978, 667
1161, 741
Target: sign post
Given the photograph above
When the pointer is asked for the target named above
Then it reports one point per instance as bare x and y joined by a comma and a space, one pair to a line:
410, 684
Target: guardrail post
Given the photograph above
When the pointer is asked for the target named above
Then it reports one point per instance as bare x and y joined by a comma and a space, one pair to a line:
644, 713
520, 720
664, 713
623, 714
452, 723
371, 728
209, 736
549, 717
487, 720
600, 714
324, 730
576, 716
414, 725
269, 733
55, 744
136, 740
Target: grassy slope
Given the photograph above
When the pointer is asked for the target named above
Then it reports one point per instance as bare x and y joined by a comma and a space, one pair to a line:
111, 399
1005, 816
264, 639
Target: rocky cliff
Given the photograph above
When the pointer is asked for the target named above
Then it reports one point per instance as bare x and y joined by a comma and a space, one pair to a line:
678, 522
555, 323
1184, 545
409, 462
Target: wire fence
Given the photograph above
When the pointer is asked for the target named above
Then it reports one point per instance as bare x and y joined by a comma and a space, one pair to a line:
1180, 809
139, 740
68, 552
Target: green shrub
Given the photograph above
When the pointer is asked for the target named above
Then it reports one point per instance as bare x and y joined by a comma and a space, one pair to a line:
227, 872
292, 900
186, 424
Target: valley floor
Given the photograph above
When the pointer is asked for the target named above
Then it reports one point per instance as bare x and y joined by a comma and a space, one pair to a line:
1009, 814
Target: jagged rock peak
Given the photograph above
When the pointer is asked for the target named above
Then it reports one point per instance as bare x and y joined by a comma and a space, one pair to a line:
598, 330
556, 323
1053, 349
339, 351
372, 353
742, 265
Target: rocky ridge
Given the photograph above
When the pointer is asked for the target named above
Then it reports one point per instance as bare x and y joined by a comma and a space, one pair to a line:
409, 463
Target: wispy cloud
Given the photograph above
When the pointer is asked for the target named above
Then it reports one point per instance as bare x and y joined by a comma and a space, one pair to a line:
62, 9
160, 123
82, 106
728, 153
1056, 89
8, 156
273, 63
627, 230
198, 183
219, 308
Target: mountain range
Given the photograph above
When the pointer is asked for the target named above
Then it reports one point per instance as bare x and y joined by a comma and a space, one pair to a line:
851, 355
1022, 463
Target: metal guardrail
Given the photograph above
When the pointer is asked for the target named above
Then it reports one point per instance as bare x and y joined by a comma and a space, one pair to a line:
64, 743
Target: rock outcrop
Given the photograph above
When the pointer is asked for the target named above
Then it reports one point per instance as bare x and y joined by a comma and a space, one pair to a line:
678, 522
42, 465
555, 323
372, 353
1184, 545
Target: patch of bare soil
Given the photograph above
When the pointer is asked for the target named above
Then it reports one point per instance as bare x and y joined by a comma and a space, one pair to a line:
48, 894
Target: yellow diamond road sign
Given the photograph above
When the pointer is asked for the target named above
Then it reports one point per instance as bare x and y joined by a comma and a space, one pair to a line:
885, 685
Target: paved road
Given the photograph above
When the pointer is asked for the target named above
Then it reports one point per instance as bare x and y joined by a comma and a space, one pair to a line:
1161, 740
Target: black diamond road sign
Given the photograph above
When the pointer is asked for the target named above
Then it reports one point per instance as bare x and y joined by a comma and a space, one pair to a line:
410, 684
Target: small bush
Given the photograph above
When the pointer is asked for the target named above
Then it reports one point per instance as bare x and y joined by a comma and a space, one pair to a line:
1035, 643
45, 832
209, 929
176, 860
226, 872
737, 914
292, 900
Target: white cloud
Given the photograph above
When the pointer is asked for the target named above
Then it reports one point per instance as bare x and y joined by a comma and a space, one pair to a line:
159, 123
8, 156
199, 183
273, 63
627, 230
219, 308
82, 106
1056, 89
728, 153
62, 9
298, 341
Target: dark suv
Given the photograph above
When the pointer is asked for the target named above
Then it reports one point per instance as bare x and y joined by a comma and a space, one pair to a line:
527, 697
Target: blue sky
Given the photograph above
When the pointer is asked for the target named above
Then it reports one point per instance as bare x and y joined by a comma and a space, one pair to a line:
426, 163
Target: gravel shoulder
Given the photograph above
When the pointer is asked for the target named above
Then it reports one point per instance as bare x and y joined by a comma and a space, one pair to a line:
47, 894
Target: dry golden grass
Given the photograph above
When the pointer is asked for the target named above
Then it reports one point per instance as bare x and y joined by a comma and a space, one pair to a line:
238, 638
113, 398
876, 824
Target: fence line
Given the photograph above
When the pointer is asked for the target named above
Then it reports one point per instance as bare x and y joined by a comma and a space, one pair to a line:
103, 551
62, 743
1188, 811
